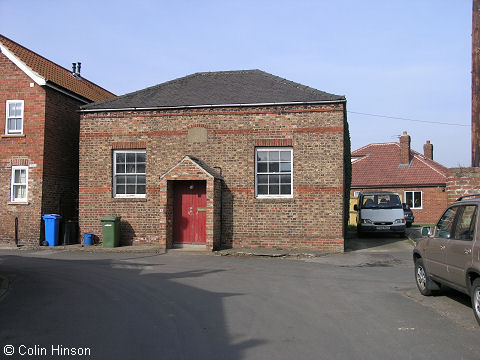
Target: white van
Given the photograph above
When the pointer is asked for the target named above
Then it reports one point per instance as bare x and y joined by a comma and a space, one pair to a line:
380, 211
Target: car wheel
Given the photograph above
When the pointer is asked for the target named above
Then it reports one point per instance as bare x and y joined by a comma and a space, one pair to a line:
476, 299
424, 283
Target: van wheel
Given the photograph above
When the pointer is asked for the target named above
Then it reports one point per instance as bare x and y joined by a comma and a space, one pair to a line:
476, 299
424, 284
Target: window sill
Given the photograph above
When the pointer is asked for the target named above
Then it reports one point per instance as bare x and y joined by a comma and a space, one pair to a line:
129, 199
18, 203
275, 199
12, 136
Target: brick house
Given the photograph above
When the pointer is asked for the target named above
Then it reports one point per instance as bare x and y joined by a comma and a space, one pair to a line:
234, 158
417, 178
39, 102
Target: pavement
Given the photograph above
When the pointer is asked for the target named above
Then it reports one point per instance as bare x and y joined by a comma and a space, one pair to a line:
355, 248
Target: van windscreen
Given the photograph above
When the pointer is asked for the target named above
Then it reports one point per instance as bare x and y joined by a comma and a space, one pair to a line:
381, 201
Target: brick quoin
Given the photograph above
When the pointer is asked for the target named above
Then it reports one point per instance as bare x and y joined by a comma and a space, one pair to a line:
312, 219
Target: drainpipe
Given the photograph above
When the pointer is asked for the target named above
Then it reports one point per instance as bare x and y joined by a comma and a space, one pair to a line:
221, 205
16, 231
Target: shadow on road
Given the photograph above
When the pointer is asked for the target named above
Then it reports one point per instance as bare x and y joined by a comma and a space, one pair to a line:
119, 309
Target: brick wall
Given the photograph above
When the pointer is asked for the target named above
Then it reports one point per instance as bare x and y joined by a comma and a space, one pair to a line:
434, 202
48, 146
60, 175
311, 219
26, 149
462, 181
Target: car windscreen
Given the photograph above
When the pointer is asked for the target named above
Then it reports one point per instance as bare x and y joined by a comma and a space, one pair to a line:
381, 201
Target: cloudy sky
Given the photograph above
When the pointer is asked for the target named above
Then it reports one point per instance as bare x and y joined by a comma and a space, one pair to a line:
403, 65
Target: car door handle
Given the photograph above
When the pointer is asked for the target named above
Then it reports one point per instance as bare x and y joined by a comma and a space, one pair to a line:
442, 247
467, 251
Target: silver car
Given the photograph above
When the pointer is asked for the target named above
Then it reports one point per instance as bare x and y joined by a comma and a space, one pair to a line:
449, 254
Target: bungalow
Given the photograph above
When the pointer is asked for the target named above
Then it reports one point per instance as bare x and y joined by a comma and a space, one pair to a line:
233, 158
417, 178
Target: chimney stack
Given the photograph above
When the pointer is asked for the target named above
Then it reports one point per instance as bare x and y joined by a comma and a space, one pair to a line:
428, 150
405, 149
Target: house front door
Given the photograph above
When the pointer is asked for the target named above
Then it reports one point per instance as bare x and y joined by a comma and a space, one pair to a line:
190, 212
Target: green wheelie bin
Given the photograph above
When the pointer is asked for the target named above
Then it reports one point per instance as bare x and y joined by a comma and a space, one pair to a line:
110, 231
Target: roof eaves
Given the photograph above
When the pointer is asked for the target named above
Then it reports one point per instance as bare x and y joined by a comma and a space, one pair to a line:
85, 108
392, 186
40, 80
61, 89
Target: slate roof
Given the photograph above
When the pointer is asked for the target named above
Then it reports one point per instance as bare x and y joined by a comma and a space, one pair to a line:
217, 88
56, 74
378, 165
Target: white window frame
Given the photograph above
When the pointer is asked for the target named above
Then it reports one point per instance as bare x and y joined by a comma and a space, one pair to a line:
7, 116
13, 184
413, 199
274, 196
115, 152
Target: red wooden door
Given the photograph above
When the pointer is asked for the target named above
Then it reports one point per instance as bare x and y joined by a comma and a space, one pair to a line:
190, 212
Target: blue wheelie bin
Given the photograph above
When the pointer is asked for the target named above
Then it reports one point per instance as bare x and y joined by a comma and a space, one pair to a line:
52, 225
87, 239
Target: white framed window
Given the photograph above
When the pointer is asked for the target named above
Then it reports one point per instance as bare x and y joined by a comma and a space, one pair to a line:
129, 173
414, 199
14, 117
19, 184
273, 172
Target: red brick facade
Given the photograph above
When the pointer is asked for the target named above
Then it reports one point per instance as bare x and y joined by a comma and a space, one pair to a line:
434, 201
311, 219
462, 181
25, 150
48, 146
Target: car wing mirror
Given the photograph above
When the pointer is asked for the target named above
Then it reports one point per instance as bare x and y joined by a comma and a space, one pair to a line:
426, 231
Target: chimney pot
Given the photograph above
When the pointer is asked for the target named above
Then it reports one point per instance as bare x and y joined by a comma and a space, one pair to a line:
74, 68
405, 149
79, 66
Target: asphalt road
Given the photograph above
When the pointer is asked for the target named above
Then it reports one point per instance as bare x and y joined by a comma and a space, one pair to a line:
358, 305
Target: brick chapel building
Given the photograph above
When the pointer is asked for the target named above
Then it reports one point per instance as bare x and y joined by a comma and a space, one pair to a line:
394, 166
235, 158
39, 102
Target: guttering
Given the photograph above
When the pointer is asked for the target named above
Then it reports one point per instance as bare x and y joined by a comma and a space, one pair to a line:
65, 92
404, 186
214, 106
